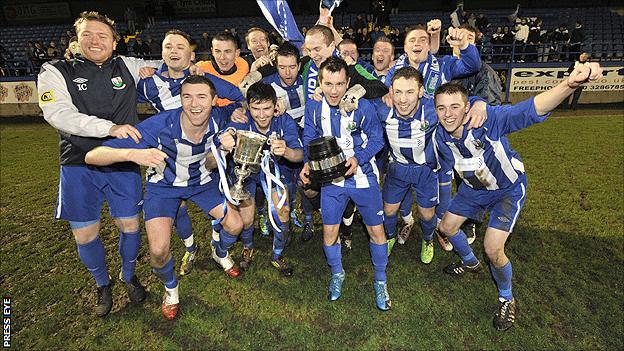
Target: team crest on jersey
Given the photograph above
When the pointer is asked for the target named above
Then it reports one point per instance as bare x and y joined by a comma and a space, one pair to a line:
478, 144
351, 126
118, 83
424, 126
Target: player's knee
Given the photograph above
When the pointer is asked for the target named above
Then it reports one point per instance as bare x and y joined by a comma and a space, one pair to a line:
159, 256
494, 252
426, 214
128, 224
447, 228
233, 223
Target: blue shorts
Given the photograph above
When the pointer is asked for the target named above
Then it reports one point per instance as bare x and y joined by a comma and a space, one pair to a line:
83, 190
504, 204
368, 201
163, 201
401, 178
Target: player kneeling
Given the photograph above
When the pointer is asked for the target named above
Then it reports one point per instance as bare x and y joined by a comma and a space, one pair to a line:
174, 145
493, 175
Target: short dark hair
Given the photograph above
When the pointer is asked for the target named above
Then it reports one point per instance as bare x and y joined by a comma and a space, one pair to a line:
470, 28
256, 29
409, 72
327, 33
96, 16
261, 91
181, 33
410, 29
451, 89
287, 49
225, 36
347, 42
334, 65
200, 79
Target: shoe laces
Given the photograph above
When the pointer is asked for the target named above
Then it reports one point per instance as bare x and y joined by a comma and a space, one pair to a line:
504, 308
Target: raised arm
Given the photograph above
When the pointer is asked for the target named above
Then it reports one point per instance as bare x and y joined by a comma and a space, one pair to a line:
550, 99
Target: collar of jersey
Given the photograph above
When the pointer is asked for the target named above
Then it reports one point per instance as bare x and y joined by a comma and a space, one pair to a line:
164, 69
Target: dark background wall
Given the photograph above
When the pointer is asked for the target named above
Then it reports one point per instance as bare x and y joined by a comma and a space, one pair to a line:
233, 8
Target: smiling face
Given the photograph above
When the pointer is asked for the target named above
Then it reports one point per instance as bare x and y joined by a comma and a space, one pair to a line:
176, 52
96, 41
451, 110
287, 69
197, 101
258, 43
382, 55
334, 85
417, 46
406, 94
225, 53
262, 113
349, 50
318, 48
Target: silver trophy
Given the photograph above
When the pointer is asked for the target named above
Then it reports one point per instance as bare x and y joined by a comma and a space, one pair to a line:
247, 154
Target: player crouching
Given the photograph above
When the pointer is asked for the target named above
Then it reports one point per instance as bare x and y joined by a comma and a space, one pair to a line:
174, 145
493, 175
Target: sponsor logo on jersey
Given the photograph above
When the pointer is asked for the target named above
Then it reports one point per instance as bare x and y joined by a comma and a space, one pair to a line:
478, 144
47, 97
118, 83
81, 83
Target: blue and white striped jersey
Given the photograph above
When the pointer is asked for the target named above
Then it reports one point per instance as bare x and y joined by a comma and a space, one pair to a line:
482, 156
437, 71
410, 139
359, 135
186, 162
163, 93
291, 95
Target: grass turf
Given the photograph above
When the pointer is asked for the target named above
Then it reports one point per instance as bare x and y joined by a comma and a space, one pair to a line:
567, 252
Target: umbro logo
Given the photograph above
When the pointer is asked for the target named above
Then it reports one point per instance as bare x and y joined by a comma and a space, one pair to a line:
503, 219
380, 213
80, 80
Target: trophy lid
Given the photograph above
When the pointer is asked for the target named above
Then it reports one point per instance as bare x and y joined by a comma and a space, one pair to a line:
323, 147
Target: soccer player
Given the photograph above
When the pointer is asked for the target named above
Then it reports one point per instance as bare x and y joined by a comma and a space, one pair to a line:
360, 138
493, 175
383, 57
89, 99
288, 86
286, 148
226, 62
348, 47
174, 145
162, 91
436, 71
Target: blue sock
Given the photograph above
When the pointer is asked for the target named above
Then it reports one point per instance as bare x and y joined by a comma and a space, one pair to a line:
460, 245
502, 277
428, 227
379, 256
390, 223
166, 274
444, 197
184, 228
279, 240
406, 204
227, 240
92, 255
247, 237
129, 244
334, 257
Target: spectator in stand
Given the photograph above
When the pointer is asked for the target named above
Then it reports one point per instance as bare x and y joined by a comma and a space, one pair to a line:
154, 45
522, 35
482, 22
130, 17
472, 20
395, 37
359, 23
150, 14
376, 33
561, 38
395, 7
140, 48
304, 30
508, 40
275, 38
497, 42
122, 47
366, 40
62, 45
53, 51
577, 38
546, 47
584, 57
534, 41
204, 45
